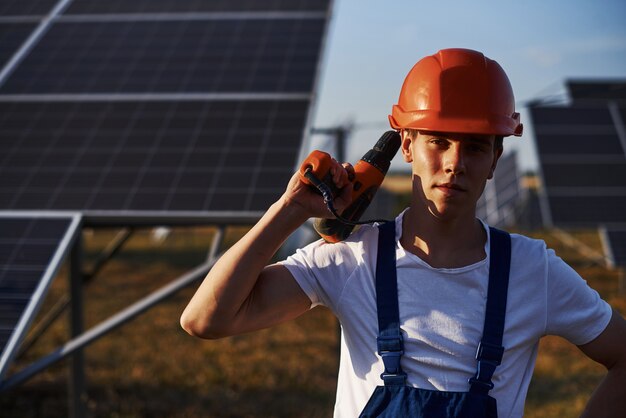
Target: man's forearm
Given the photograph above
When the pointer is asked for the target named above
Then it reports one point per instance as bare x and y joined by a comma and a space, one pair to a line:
609, 398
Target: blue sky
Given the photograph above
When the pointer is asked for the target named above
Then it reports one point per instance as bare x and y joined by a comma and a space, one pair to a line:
372, 44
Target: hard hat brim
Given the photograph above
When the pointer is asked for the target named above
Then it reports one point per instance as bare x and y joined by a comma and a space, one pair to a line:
433, 121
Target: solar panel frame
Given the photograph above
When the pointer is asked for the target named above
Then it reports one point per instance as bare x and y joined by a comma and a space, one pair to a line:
52, 263
97, 7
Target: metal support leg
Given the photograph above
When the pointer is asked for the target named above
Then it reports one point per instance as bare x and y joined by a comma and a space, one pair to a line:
76, 384
64, 301
115, 321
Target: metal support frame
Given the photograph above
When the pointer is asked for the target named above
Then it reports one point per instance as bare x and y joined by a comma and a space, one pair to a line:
611, 262
583, 249
64, 301
64, 246
82, 339
76, 383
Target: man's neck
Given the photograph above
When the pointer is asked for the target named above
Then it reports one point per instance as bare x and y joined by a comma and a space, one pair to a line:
449, 243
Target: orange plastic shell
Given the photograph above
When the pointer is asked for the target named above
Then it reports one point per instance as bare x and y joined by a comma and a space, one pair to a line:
319, 162
457, 90
366, 181
365, 177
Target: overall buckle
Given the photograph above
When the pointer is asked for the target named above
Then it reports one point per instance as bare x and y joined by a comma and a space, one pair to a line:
489, 357
390, 350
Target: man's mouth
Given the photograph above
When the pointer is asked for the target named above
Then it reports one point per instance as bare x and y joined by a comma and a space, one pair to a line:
450, 186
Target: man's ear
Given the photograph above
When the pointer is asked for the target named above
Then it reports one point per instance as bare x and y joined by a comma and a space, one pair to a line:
407, 151
496, 156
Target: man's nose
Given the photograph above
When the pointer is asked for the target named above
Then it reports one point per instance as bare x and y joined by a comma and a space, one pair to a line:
454, 160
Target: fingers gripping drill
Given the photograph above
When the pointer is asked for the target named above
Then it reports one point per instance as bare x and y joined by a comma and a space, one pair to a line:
369, 173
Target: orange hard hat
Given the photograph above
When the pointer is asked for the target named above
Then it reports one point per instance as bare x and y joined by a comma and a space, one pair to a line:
457, 90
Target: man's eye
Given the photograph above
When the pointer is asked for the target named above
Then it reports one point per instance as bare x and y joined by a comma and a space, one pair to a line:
478, 148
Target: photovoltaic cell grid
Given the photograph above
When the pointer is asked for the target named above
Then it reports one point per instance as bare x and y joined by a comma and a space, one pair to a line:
583, 161
229, 55
118, 110
31, 249
162, 156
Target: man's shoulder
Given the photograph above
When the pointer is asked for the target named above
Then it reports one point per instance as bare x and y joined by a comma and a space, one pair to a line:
529, 256
525, 243
364, 234
354, 246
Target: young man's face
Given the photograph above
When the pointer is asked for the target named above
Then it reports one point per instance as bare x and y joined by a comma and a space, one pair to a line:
449, 170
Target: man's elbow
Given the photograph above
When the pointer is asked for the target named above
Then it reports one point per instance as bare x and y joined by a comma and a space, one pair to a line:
200, 327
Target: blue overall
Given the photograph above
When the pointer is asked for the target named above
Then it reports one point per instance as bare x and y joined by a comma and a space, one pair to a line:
395, 399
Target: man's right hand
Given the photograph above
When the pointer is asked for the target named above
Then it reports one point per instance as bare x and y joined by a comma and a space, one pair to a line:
306, 198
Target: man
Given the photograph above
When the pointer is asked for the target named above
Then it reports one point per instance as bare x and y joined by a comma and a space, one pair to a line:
441, 315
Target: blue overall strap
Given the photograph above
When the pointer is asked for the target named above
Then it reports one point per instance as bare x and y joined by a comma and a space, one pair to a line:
490, 349
390, 347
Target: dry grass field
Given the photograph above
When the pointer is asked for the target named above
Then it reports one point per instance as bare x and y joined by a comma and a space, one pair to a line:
151, 368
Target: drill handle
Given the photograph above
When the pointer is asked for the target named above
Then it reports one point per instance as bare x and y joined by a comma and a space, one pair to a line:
315, 171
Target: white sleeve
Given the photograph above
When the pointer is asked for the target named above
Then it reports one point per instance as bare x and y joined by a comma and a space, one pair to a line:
575, 311
321, 270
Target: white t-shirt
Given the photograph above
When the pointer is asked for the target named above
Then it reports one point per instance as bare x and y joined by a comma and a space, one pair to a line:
442, 315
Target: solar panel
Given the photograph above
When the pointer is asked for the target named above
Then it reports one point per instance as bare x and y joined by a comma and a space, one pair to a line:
135, 109
587, 208
228, 55
605, 143
159, 156
610, 174
32, 247
582, 157
597, 90
570, 118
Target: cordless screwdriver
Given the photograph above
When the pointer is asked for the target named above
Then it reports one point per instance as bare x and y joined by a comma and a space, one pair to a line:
369, 173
